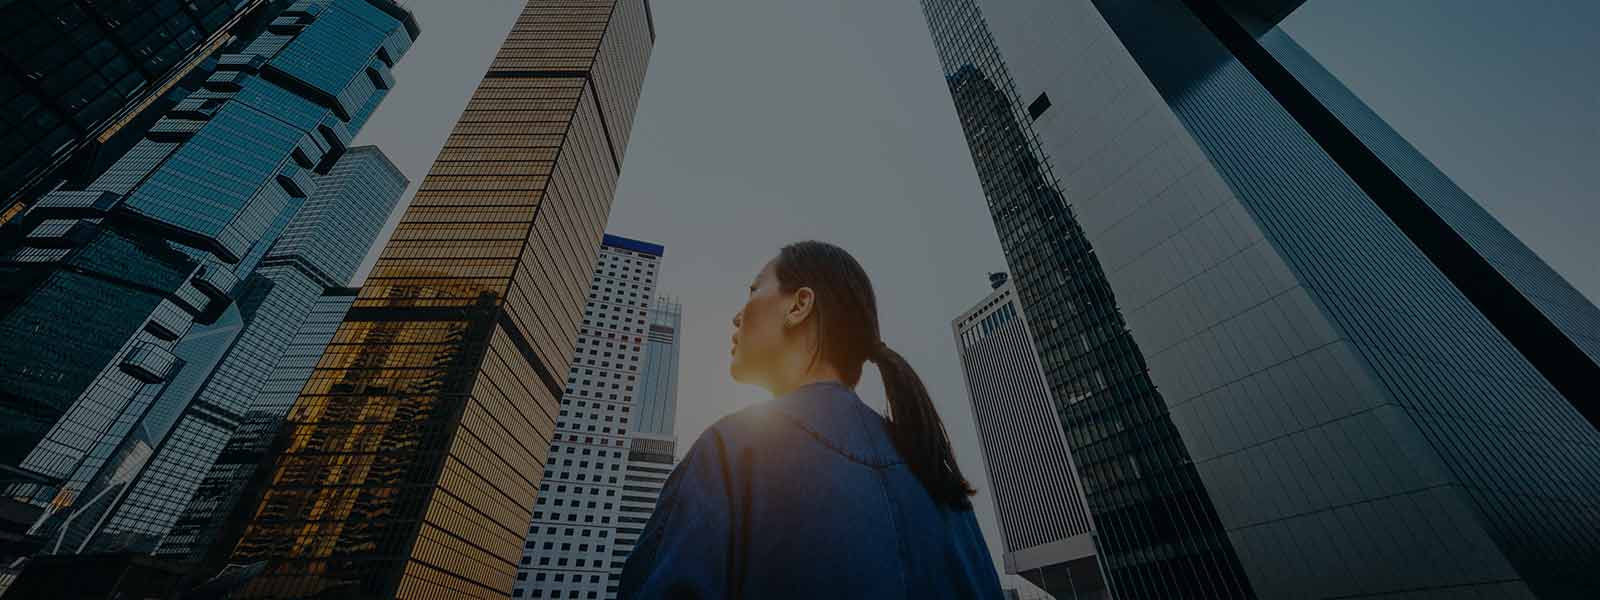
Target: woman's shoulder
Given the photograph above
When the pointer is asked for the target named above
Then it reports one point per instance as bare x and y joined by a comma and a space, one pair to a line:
744, 427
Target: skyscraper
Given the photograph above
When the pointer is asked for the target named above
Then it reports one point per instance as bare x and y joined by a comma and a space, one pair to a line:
106, 280
320, 248
1291, 358
1045, 526
418, 446
207, 527
71, 73
652, 443
651, 458
573, 532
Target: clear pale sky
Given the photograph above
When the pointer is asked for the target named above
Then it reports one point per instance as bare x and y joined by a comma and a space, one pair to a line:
769, 121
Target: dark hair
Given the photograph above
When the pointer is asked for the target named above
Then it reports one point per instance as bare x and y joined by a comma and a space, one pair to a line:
846, 312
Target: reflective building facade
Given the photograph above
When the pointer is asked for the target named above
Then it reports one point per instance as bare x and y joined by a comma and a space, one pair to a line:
414, 453
172, 232
1048, 536
320, 248
1298, 362
573, 534
657, 405
209, 524
72, 72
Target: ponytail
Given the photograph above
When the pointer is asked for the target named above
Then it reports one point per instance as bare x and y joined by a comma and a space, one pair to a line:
846, 318
918, 432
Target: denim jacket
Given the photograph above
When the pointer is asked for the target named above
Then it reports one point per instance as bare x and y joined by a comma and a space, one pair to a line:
805, 497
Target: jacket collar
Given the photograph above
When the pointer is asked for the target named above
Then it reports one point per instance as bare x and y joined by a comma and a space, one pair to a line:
834, 415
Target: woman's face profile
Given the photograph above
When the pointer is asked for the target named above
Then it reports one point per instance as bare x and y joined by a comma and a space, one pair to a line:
758, 336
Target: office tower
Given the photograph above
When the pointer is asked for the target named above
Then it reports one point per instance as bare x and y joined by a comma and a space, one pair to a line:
573, 532
419, 443
107, 279
657, 406
1298, 361
210, 522
652, 444
322, 247
72, 73
1048, 536
651, 458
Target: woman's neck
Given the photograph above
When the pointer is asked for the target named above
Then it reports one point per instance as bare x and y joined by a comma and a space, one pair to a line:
822, 373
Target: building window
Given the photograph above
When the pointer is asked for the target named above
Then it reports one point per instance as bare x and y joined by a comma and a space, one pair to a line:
1038, 106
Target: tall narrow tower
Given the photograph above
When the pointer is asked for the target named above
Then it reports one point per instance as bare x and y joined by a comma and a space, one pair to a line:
1038, 499
572, 539
410, 461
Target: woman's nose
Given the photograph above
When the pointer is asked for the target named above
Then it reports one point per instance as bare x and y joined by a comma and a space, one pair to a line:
737, 317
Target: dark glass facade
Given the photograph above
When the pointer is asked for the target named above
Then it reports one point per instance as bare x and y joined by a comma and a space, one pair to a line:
104, 282
1370, 387
1159, 536
412, 457
71, 70
320, 248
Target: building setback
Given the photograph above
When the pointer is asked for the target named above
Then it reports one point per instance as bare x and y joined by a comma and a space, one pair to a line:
573, 532
1045, 526
1291, 358
417, 447
170, 233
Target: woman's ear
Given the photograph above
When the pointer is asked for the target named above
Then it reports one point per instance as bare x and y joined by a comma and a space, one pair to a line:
800, 307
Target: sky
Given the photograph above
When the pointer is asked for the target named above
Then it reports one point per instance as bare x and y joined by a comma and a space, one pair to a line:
764, 122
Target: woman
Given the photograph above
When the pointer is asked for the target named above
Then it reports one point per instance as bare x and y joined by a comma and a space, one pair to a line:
813, 494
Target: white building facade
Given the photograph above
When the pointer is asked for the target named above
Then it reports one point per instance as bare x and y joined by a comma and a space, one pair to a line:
571, 539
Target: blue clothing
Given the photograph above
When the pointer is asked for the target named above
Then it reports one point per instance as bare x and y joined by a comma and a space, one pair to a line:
805, 496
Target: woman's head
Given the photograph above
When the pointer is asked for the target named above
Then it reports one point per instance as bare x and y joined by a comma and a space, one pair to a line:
811, 312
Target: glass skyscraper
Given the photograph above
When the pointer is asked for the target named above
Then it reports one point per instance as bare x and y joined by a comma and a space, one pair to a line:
170, 235
209, 524
72, 72
320, 248
573, 534
415, 451
1291, 358
657, 405
1038, 501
